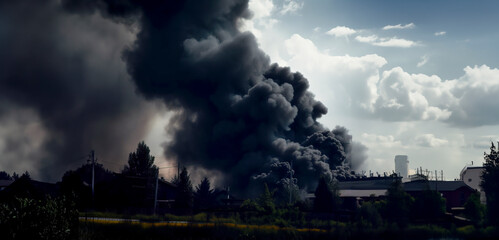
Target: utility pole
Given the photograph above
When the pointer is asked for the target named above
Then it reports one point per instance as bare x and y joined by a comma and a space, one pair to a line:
156, 192
178, 168
92, 157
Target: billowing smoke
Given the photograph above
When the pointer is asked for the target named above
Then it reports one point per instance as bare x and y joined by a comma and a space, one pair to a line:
235, 113
64, 90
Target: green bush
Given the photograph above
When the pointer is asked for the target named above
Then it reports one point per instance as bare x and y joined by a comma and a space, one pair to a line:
39, 219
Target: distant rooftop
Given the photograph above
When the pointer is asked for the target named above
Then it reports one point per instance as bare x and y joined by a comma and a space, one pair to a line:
5, 183
384, 183
367, 183
434, 185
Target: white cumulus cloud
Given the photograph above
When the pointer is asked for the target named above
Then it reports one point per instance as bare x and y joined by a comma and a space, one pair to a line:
341, 31
395, 42
399, 26
386, 42
440, 33
337, 80
402, 96
291, 6
366, 39
261, 8
424, 60
358, 85
476, 91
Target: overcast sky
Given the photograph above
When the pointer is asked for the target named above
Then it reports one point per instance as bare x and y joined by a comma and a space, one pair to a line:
418, 78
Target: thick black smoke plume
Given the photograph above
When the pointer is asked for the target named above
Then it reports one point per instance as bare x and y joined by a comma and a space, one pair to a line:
235, 113
64, 90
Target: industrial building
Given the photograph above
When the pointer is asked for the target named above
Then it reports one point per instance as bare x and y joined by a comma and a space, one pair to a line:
472, 176
402, 166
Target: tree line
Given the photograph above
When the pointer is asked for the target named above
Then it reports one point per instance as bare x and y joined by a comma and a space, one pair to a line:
113, 193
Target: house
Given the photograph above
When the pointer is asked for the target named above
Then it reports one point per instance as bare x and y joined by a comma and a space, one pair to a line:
455, 192
354, 192
25, 187
223, 198
472, 176
5, 183
167, 192
365, 187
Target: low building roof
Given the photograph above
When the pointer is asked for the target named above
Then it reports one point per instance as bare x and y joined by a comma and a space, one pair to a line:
434, 185
5, 183
365, 184
362, 193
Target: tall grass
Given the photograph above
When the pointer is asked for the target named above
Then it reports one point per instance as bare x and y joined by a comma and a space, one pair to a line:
183, 230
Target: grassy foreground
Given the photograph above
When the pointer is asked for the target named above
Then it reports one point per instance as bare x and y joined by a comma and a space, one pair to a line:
95, 230
99, 229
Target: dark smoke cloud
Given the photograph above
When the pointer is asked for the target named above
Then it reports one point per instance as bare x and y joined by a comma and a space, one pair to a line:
235, 113
64, 90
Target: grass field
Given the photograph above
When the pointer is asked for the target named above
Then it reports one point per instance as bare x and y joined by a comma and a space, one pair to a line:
111, 229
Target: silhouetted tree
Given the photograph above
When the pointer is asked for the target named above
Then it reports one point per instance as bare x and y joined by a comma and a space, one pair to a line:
203, 198
141, 163
266, 200
326, 197
107, 187
369, 213
184, 198
5, 176
428, 205
398, 204
21, 188
262, 208
473, 209
73, 188
142, 172
490, 178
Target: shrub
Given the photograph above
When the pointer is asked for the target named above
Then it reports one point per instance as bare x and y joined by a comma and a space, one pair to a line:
26, 218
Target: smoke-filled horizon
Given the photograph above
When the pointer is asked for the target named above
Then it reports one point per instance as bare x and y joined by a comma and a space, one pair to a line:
235, 113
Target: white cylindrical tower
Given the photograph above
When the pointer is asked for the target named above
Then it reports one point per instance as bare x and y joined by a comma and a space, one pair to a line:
402, 165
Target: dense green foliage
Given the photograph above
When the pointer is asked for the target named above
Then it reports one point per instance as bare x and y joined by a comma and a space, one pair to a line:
399, 204
326, 197
490, 180
428, 206
334, 230
27, 213
263, 210
370, 214
474, 210
50, 218
72, 187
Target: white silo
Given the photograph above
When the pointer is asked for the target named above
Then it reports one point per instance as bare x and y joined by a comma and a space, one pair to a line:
402, 165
